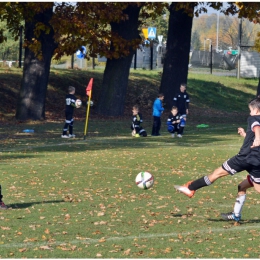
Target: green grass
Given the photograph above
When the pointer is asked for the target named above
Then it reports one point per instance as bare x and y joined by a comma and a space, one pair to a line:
77, 198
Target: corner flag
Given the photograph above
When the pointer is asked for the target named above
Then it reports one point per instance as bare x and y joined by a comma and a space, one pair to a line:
88, 93
89, 88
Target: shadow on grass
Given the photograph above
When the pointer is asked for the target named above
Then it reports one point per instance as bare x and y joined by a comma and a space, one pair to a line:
29, 204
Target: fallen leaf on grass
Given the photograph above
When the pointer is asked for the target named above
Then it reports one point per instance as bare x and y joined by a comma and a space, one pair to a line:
45, 247
127, 252
22, 250
5, 228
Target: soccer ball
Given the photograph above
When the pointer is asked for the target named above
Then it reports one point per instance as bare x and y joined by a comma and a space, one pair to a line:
78, 103
144, 180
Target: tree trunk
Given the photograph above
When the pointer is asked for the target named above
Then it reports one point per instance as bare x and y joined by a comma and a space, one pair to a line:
175, 69
31, 103
115, 80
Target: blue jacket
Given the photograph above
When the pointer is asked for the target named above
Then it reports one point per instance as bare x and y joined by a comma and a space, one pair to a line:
157, 107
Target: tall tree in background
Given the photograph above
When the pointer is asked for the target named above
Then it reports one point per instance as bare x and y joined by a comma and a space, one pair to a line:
31, 102
107, 28
115, 79
175, 69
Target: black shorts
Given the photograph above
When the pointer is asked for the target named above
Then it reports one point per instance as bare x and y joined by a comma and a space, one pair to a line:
69, 117
239, 163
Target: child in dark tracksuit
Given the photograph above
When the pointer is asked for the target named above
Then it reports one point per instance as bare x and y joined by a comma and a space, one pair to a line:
175, 122
70, 105
137, 129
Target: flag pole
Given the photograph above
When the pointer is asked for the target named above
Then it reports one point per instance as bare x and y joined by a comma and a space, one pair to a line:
88, 93
87, 114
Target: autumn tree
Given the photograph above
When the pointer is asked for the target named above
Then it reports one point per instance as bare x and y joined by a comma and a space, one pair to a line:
61, 29
175, 69
115, 80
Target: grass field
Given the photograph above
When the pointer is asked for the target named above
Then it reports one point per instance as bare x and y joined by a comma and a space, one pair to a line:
77, 198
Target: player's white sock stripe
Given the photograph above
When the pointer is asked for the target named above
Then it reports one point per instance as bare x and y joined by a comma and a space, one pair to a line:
206, 179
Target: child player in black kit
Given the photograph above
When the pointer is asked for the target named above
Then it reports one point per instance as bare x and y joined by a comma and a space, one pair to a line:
136, 127
70, 105
181, 100
175, 122
248, 159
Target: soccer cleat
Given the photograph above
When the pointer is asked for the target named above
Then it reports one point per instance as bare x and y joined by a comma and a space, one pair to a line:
184, 189
230, 216
173, 135
179, 135
72, 136
64, 136
2, 205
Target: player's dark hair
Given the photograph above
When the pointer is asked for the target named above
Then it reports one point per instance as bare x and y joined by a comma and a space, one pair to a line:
174, 107
184, 85
136, 107
255, 103
71, 88
160, 95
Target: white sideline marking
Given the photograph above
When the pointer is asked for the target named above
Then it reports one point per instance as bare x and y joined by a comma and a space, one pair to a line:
141, 236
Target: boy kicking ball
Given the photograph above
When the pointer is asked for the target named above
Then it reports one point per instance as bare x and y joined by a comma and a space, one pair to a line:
248, 159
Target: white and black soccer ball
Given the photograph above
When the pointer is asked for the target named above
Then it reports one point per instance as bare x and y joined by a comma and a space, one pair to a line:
78, 103
144, 180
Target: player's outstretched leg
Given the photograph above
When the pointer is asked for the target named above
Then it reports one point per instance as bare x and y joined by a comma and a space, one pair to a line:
185, 189
190, 187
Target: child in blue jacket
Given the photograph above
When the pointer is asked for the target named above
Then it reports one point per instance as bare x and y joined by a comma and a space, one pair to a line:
157, 111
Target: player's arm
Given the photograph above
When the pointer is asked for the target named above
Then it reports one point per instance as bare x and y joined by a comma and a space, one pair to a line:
187, 103
175, 99
73, 103
256, 142
241, 131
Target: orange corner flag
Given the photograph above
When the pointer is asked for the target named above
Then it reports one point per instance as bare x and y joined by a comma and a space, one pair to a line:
89, 87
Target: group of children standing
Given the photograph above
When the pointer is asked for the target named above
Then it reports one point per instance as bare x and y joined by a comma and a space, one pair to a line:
176, 120
175, 123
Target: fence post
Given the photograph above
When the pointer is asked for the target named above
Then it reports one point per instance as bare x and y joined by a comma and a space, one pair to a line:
151, 47
239, 48
135, 59
211, 59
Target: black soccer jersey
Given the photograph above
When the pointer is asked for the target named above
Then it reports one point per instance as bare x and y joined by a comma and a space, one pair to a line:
137, 120
181, 101
172, 118
252, 121
70, 103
